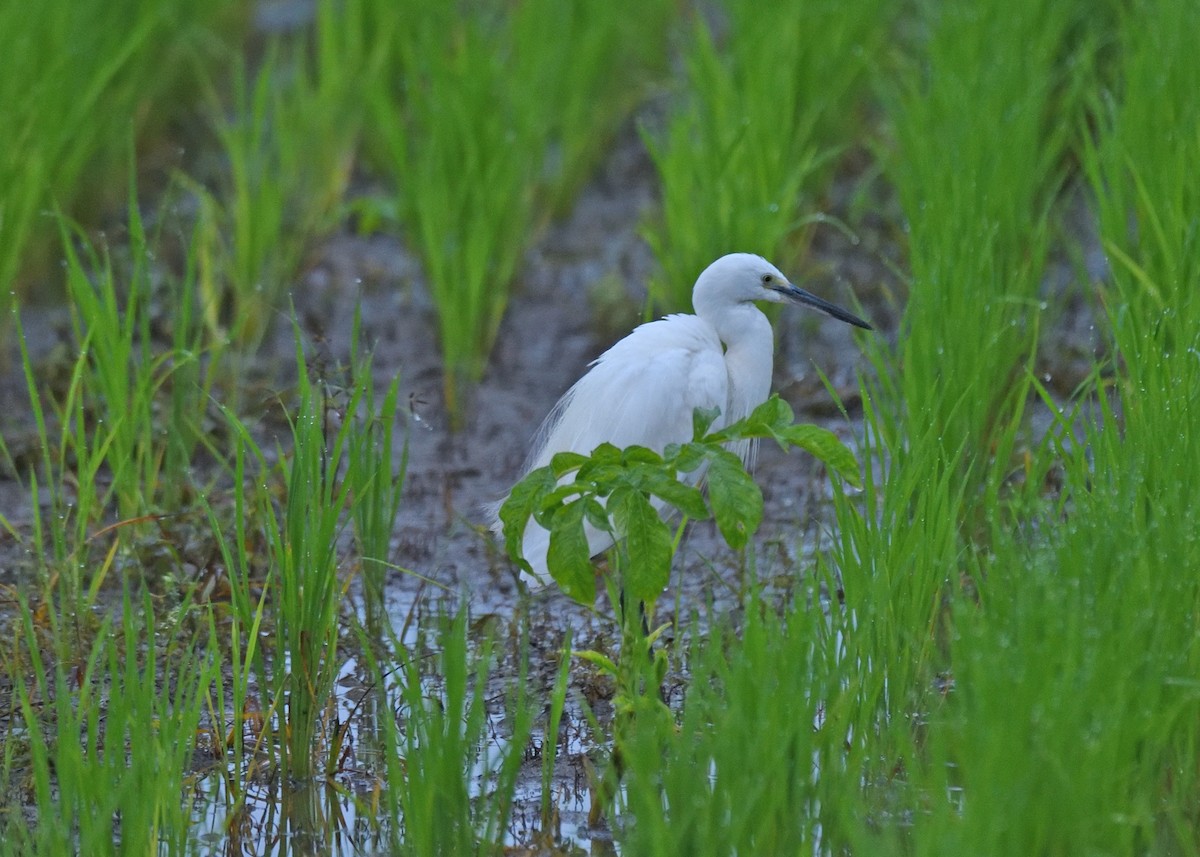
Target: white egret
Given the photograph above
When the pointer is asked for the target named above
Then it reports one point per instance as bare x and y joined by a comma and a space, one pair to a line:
644, 388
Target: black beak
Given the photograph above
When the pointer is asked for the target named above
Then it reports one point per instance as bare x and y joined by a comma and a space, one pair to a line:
800, 296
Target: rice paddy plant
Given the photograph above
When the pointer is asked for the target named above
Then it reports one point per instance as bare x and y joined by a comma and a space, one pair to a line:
191, 373
120, 373
118, 436
477, 120
284, 545
252, 250
1104, 605
67, 486
68, 465
229, 713
146, 446
737, 775
79, 80
451, 767
337, 471
772, 96
302, 542
1065, 716
465, 158
580, 68
376, 484
1141, 170
899, 558
1074, 704
550, 733
107, 738
329, 106
906, 556
977, 212
291, 137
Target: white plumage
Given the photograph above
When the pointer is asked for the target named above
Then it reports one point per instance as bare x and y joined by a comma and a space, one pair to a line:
644, 389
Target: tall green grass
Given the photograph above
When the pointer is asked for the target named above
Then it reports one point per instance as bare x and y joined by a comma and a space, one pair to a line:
451, 767
772, 97
580, 69
117, 440
944, 412
333, 471
1028, 689
738, 775
108, 737
146, 402
376, 475
1038, 675
107, 720
1140, 169
982, 117
303, 545
79, 80
1105, 606
488, 120
462, 152
291, 138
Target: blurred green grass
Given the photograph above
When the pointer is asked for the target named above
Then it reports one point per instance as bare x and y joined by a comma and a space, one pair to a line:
81, 81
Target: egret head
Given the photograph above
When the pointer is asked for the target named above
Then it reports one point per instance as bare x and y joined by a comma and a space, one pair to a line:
741, 278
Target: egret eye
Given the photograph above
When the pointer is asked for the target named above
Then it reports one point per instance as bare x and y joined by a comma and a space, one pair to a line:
766, 279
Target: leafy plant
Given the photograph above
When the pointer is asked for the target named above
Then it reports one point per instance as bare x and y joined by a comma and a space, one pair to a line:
621, 492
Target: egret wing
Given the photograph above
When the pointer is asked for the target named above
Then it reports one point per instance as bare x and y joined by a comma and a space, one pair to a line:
642, 391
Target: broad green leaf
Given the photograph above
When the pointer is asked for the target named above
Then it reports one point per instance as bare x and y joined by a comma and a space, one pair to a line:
647, 544
564, 462
824, 444
774, 418
687, 457
595, 514
601, 475
702, 420
764, 421
554, 499
737, 502
515, 512
772, 415
641, 455
686, 498
568, 557
606, 453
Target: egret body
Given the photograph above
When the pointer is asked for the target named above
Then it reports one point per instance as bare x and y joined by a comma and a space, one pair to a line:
643, 390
